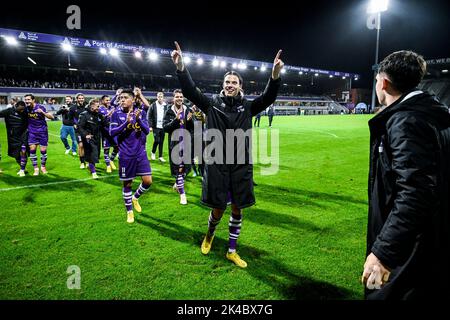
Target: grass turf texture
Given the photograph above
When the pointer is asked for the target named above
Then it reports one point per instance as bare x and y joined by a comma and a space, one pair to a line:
304, 239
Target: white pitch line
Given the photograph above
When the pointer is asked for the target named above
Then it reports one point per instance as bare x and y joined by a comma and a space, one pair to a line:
53, 183
320, 131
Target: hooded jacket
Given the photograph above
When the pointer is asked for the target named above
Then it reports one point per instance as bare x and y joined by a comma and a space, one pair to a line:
409, 177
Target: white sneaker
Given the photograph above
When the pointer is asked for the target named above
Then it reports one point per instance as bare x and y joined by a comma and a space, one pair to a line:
82, 166
153, 156
162, 159
21, 173
74, 153
67, 151
183, 199
130, 216
36, 172
94, 175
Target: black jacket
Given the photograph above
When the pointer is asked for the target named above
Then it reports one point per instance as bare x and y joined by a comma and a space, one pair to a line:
170, 124
409, 177
91, 123
67, 115
223, 113
153, 116
76, 110
16, 129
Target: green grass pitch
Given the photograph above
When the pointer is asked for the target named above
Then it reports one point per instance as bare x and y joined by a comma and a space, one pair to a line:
304, 238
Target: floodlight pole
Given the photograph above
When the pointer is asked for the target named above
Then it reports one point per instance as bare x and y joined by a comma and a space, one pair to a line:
375, 68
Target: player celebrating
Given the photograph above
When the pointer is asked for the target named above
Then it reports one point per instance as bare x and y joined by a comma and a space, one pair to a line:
79, 107
16, 121
37, 132
89, 127
228, 110
129, 124
178, 117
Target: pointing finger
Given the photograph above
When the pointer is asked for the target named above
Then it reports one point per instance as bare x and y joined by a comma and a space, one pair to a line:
177, 46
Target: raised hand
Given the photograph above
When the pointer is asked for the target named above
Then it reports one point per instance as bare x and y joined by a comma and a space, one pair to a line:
278, 64
177, 57
138, 113
189, 116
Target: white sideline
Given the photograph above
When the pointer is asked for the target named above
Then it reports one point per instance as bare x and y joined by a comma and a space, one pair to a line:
53, 183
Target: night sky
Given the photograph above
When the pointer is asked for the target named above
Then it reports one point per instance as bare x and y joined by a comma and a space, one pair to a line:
330, 35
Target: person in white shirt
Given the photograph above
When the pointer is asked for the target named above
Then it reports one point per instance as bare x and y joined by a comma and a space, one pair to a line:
155, 119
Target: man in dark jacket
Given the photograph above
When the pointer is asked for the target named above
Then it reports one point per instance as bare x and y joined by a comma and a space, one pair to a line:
67, 126
90, 125
156, 114
178, 116
76, 110
408, 237
228, 112
16, 121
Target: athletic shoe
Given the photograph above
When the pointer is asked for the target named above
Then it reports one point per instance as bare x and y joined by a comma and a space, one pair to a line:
206, 244
233, 256
162, 159
36, 172
74, 153
108, 169
67, 151
194, 174
113, 166
183, 199
94, 175
21, 173
44, 170
82, 166
153, 156
136, 204
130, 216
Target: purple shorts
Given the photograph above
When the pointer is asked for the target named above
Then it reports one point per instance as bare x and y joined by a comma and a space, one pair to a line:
131, 168
40, 138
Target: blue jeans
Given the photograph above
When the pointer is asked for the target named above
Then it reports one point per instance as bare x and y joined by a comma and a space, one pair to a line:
65, 131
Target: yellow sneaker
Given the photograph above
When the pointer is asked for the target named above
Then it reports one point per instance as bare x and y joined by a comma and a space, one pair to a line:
130, 216
113, 166
206, 244
136, 204
108, 169
233, 256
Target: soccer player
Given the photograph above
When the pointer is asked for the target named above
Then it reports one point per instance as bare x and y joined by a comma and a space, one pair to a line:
67, 126
37, 132
79, 107
155, 119
107, 110
129, 124
178, 116
89, 127
228, 110
16, 121
139, 100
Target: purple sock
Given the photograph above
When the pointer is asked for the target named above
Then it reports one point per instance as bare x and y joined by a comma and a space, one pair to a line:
126, 193
212, 224
234, 229
92, 167
43, 158
142, 189
180, 183
106, 154
23, 158
33, 158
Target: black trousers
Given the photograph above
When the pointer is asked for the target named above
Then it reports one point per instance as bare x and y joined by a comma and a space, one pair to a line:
158, 135
270, 120
257, 119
